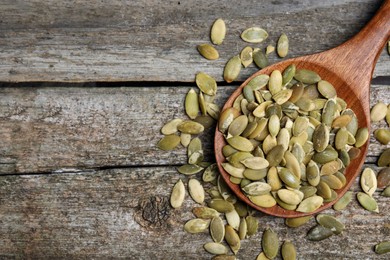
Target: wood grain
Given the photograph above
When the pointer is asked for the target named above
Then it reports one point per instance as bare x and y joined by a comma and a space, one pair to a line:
147, 41
46, 128
124, 213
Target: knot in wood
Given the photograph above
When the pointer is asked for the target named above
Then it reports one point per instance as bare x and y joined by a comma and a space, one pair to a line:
154, 212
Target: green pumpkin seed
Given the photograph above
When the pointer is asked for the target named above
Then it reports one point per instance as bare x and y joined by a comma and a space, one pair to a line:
218, 31
254, 35
232, 69
326, 89
211, 173
252, 225
255, 175
213, 110
232, 239
330, 168
275, 155
205, 212
288, 251
190, 127
169, 142
307, 76
282, 96
275, 82
215, 248
270, 243
185, 139
265, 200
330, 222
208, 51
353, 153
341, 121
241, 143
238, 125
361, 137
313, 173
289, 178
171, 127
273, 179
310, 204
189, 169
289, 196
383, 178
260, 59
274, 125
329, 154
246, 56
255, 163
386, 192
243, 229
192, 104
217, 229
297, 89
258, 82
352, 127
177, 194
288, 74
367, 202
318, 233
382, 135
257, 188
196, 225
378, 112
297, 222
383, 247
308, 191
341, 138
384, 158
233, 219
226, 118
221, 205
328, 112
206, 83
196, 190
282, 47
262, 256
343, 202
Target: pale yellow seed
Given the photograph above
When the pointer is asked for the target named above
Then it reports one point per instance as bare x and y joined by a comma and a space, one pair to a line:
282, 47
177, 195
378, 112
218, 31
196, 190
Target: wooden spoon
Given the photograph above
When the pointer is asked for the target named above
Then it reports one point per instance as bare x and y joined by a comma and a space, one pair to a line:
349, 68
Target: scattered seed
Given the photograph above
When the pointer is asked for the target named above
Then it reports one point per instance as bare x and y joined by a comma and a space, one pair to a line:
378, 112
367, 202
208, 51
254, 35
282, 47
288, 251
218, 31
169, 142
270, 243
318, 233
196, 190
382, 247
177, 195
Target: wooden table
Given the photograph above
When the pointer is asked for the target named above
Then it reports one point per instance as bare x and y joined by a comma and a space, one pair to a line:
86, 87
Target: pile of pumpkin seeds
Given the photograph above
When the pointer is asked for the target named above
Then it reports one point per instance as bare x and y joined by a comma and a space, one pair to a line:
228, 219
289, 140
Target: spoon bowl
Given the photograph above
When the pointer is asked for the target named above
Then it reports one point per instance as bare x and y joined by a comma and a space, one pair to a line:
349, 68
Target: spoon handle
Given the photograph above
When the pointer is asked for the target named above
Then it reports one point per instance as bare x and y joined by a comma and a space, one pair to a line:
356, 58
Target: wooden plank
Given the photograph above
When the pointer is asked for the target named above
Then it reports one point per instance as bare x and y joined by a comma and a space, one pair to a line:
82, 41
50, 128
125, 213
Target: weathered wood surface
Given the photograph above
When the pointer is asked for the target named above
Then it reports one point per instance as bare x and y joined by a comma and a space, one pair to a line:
46, 129
153, 41
80, 175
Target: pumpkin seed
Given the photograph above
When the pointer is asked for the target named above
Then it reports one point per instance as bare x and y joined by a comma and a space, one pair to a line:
361, 137
384, 158
221, 205
368, 181
330, 222
327, 155
383, 179
217, 229
169, 142
310, 204
254, 35
343, 202
257, 188
171, 127
332, 181
238, 125
262, 256
307, 76
206, 83
383, 247
196, 190
215, 248
367, 202
189, 169
260, 59
192, 104
258, 82
297, 222
218, 31
196, 225
275, 155
341, 121
205, 212
265, 200
326, 89
208, 51
297, 89
308, 191
242, 229
232, 239
241, 143
224, 257
213, 110
270, 243
177, 195
246, 56
318, 233
378, 112
386, 192
190, 127
275, 82
226, 118
289, 178
330, 168
288, 251
382, 135
232, 69
252, 225
282, 47
289, 196
233, 219
185, 139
